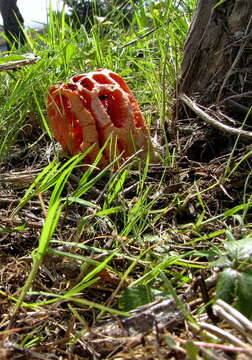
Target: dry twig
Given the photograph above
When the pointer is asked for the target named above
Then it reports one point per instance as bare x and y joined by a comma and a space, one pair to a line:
213, 122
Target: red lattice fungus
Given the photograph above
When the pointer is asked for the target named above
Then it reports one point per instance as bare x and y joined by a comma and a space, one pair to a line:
92, 108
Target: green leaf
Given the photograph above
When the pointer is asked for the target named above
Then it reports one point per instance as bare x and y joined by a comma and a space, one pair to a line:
223, 261
50, 225
219, 3
70, 51
226, 285
62, 180
235, 209
135, 296
105, 212
244, 294
192, 350
10, 58
82, 202
42, 182
15, 229
171, 342
240, 249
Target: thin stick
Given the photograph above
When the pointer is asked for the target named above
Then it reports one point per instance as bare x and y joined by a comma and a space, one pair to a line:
219, 346
228, 313
10, 65
139, 38
223, 334
213, 122
238, 96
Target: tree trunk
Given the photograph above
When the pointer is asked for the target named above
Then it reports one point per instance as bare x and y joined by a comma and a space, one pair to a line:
12, 21
217, 73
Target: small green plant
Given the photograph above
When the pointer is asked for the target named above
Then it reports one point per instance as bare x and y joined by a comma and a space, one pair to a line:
234, 284
135, 296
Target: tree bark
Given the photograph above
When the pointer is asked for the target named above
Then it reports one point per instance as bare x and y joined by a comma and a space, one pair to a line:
13, 22
217, 63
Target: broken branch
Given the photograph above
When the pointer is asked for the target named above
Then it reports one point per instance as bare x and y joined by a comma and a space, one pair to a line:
213, 122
